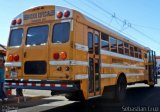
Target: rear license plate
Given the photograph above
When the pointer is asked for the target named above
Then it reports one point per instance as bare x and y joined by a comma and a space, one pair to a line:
13, 74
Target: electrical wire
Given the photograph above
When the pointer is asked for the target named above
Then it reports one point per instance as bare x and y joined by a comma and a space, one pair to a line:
147, 27
103, 21
124, 22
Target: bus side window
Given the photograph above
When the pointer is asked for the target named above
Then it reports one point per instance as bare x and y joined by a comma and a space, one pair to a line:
105, 41
145, 55
113, 44
120, 47
136, 52
96, 44
132, 51
126, 48
90, 42
139, 53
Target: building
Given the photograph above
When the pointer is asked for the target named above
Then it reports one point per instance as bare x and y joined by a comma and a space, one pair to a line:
2, 50
158, 65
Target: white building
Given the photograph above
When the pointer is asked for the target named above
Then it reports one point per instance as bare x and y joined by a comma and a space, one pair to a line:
158, 64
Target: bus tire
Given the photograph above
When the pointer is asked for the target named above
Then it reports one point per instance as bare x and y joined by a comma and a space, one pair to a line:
152, 86
120, 90
75, 96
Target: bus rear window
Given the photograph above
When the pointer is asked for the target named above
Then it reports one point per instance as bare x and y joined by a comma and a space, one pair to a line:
35, 67
15, 38
37, 35
61, 32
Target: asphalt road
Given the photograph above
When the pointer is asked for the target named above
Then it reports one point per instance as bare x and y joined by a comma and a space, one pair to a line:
139, 98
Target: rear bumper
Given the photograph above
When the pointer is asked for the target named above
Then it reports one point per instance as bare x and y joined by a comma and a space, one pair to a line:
63, 85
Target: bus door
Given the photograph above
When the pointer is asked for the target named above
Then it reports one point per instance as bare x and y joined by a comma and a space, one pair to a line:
36, 52
94, 62
152, 66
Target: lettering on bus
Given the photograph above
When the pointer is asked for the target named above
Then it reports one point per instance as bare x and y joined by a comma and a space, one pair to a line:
39, 15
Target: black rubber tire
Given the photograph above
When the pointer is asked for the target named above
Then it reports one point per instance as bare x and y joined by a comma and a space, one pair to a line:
75, 96
120, 90
151, 86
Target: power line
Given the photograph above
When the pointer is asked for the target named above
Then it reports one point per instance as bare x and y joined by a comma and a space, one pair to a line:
125, 22
147, 27
102, 21
145, 35
114, 15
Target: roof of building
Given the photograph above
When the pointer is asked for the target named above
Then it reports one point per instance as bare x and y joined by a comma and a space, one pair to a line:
2, 49
157, 57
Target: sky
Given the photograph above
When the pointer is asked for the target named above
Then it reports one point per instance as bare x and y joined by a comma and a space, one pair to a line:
136, 19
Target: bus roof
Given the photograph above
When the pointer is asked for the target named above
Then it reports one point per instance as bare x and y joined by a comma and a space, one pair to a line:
87, 18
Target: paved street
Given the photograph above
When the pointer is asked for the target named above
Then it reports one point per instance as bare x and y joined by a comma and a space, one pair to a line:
139, 97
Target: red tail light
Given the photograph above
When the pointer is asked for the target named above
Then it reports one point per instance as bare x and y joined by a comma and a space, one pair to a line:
19, 21
66, 13
16, 57
56, 56
14, 22
59, 14
7, 76
10, 58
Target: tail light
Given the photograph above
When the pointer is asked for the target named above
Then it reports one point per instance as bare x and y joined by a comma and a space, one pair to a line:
7, 76
63, 55
59, 14
18, 21
16, 57
14, 22
56, 56
10, 58
66, 13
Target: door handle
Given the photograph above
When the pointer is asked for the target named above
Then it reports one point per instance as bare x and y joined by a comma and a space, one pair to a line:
24, 54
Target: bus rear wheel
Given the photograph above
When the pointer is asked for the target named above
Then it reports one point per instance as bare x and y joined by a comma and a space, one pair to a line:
152, 86
75, 96
120, 90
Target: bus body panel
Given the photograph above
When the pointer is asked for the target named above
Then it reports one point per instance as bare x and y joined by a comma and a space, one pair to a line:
71, 57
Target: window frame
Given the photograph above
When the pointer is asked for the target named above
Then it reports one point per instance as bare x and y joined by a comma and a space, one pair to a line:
96, 45
34, 27
136, 52
90, 33
119, 47
8, 44
104, 40
132, 51
110, 44
52, 31
126, 48
139, 53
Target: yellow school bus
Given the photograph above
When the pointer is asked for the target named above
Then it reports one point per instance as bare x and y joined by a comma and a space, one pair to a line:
60, 49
